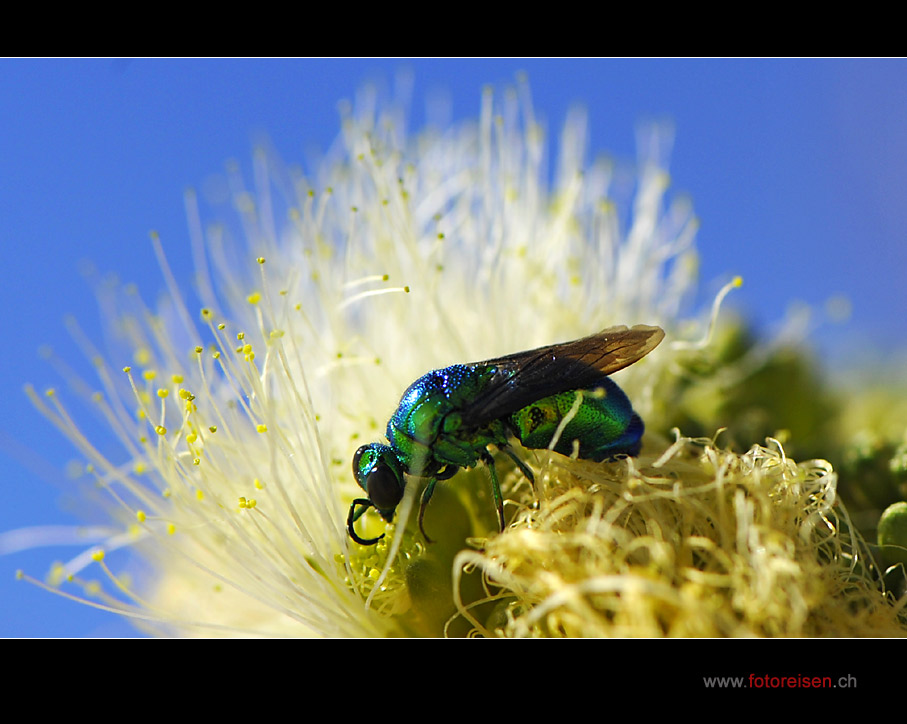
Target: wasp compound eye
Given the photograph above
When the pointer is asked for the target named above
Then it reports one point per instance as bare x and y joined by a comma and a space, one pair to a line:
384, 490
358, 467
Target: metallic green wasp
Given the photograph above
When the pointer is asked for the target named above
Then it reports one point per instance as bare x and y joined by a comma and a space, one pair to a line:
448, 418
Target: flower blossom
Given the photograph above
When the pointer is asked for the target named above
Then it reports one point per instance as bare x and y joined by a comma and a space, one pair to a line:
400, 254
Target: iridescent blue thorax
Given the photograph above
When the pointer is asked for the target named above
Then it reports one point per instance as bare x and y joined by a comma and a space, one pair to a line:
426, 428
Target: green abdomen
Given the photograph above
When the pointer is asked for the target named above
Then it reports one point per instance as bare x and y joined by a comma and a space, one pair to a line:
604, 424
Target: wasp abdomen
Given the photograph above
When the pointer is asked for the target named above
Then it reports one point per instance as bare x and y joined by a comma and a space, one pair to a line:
604, 423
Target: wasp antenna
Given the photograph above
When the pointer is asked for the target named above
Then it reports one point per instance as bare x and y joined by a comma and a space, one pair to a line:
354, 516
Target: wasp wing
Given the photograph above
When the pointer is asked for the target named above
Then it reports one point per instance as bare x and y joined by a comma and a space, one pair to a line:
525, 377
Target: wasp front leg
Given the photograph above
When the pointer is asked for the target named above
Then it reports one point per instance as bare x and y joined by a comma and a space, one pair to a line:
426, 496
495, 487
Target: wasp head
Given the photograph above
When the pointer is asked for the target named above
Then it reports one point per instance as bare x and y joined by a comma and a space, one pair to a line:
379, 473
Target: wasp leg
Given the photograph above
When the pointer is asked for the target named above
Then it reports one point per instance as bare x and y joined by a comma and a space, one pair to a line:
426, 496
354, 516
495, 487
519, 463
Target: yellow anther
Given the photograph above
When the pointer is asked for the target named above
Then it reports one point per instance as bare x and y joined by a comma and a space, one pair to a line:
149, 375
140, 516
177, 379
196, 461
254, 298
199, 349
206, 313
160, 430
171, 529
97, 397
406, 289
221, 326
199, 495
127, 369
260, 260
261, 428
215, 354
242, 502
162, 392
98, 555
258, 484
57, 573
191, 438
737, 281
251, 503
139, 468
247, 348
240, 336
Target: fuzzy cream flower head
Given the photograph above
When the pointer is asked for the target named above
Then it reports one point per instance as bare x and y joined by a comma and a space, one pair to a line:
406, 254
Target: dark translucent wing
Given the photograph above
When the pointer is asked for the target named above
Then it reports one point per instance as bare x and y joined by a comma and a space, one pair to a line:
525, 377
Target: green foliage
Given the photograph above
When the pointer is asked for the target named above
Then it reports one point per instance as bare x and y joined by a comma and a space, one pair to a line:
754, 393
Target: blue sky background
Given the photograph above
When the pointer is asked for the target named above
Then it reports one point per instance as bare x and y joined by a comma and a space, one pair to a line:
797, 170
